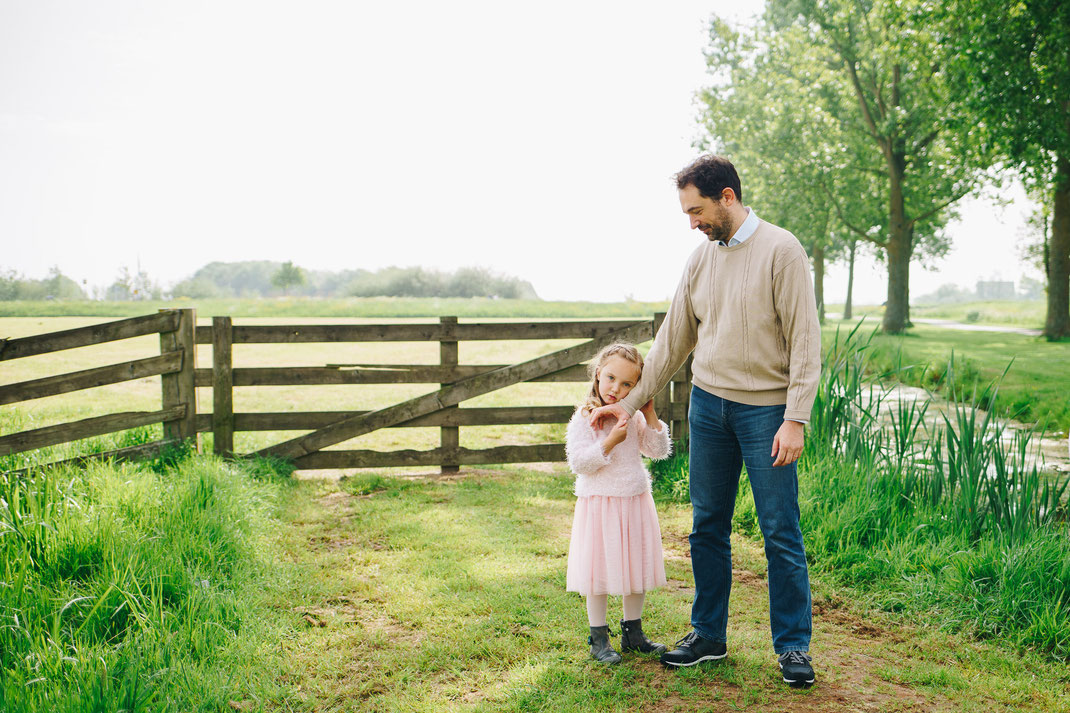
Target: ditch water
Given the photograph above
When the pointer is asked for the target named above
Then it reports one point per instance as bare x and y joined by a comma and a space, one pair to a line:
1052, 454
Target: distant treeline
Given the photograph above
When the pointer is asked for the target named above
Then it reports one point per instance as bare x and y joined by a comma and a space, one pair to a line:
56, 286
265, 278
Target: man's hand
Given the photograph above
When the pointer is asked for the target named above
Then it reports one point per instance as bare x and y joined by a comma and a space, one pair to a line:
601, 415
788, 443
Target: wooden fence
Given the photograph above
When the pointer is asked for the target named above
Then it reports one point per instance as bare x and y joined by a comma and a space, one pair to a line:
175, 365
457, 382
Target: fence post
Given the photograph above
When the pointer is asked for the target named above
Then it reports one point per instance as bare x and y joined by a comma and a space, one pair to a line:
682, 395
663, 399
180, 388
450, 436
222, 386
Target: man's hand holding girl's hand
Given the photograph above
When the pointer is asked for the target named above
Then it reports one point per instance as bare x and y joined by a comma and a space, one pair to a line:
604, 413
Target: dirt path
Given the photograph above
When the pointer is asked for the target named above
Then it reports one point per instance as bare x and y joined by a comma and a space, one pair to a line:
448, 595
965, 327
961, 326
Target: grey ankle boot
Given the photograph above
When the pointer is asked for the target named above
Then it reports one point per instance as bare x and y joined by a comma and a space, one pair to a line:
601, 649
632, 638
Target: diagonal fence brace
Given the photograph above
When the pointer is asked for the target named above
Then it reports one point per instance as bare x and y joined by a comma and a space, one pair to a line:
453, 394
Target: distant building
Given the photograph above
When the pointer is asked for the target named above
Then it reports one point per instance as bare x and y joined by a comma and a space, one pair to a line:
995, 290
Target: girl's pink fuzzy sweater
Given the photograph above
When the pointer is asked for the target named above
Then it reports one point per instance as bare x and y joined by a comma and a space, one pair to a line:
621, 473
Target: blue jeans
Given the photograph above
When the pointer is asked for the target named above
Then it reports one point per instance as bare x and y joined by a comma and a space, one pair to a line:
725, 435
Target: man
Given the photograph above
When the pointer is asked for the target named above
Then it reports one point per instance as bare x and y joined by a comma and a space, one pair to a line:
745, 305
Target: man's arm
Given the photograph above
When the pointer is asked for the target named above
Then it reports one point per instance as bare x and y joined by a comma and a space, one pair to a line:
796, 306
673, 342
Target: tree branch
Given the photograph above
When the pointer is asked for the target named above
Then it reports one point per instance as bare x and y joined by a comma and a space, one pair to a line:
914, 221
860, 94
925, 141
843, 219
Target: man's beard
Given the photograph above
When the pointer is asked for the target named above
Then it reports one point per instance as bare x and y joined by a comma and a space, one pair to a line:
717, 232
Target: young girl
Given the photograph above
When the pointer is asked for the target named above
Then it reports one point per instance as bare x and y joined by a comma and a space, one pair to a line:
616, 540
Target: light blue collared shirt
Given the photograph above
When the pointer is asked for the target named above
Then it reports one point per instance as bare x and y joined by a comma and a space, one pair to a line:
746, 229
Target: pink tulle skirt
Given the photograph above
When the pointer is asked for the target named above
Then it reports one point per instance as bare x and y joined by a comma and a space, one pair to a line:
616, 546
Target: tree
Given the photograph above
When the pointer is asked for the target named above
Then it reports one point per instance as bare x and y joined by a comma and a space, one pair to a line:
1010, 60
287, 276
799, 168
56, 286
894, 108
132, 286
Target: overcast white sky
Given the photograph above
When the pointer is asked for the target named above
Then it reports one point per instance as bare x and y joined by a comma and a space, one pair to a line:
536, 139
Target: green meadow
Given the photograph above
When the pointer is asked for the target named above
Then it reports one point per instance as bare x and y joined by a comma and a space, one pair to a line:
349, 307
190, 583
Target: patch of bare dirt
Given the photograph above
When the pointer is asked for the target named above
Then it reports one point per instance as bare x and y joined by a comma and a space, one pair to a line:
749, 579
330, 543
335, 500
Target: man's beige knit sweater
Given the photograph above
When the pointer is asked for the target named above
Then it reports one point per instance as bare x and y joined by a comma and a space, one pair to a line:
749, 313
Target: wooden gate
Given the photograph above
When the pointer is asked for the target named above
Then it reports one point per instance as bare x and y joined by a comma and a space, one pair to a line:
441, 408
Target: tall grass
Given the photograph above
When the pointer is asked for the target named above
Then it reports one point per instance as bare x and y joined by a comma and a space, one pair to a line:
946, 516
15, 421
128, 587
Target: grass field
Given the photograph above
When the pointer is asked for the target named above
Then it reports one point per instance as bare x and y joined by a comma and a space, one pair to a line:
1008, 313
201, 586
448, 595
1012, 313
386, 593
351, 307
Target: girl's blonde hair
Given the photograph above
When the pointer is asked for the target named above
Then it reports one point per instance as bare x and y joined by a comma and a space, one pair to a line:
619, 349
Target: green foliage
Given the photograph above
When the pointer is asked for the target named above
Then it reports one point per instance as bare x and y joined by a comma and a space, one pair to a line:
856, 86
1032, 391
127, 588
133, 287
1019, 313
1009, 62
418, 282
669, 477
288, 275
56, 286
261, 278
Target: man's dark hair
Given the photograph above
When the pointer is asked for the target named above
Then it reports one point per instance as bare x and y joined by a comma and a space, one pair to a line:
710, 174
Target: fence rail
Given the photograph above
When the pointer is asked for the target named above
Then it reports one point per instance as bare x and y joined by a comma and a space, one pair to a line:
180, 377
166, 321
175, 365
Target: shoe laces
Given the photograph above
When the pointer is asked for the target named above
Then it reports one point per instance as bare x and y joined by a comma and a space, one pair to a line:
689, 638
796, 657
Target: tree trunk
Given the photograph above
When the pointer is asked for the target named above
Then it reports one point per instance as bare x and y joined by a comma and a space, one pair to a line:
900, 234
819, 280
850, 280
1057, 325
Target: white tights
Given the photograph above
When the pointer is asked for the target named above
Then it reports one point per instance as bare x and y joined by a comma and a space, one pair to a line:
598, 605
